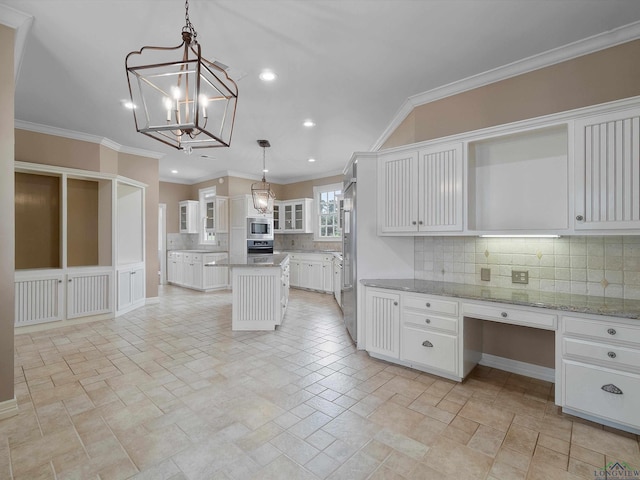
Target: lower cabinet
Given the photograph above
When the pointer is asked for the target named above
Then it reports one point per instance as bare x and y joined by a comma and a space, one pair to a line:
187, 269
42, 297
382, 312
600, 369
312, 271
130, 288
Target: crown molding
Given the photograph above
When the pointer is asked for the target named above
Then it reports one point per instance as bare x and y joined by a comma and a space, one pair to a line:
567, 52
85, 137
21, 22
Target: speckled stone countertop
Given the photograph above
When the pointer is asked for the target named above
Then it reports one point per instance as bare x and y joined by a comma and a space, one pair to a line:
327, 252
615, 307
257, 260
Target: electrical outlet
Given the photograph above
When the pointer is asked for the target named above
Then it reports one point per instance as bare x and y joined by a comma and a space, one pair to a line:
520, 276
485, 274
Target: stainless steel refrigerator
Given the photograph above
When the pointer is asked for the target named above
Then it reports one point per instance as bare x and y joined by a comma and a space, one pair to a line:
349, 254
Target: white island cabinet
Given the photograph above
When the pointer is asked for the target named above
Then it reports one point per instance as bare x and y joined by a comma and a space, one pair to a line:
260, 290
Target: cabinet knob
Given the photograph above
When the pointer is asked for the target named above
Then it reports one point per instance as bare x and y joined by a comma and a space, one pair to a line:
420, 222
428, 304
579, 218
59, 281
611, 331
611, 354
611, 388
70, 280
504, 314
427, 343
395, 303
428, 320
413, 223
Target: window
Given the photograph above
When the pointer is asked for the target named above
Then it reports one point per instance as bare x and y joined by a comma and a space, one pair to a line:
207, 215
327, 212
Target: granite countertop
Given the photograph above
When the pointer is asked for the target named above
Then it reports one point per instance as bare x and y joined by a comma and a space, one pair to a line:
257, 260
616, 307
293, 250
193, 250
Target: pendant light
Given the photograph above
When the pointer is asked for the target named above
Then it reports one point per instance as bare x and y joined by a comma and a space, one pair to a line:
180, 98
263, 197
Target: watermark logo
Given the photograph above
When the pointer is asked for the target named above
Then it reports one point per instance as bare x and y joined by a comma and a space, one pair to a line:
620, 470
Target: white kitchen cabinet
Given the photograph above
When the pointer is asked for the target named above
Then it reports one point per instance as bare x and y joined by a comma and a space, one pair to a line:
421, 190
295, 216
327, 273
187, 269
277, 224
89, 292
214, 278
130, 288
382, 330
189, 216
337, 280
607, 177
216, 215
600, 369
311, 271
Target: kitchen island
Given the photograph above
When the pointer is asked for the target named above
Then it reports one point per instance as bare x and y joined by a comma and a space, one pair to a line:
260, 290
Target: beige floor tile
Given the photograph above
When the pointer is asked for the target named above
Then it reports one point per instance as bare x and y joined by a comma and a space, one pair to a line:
169, 389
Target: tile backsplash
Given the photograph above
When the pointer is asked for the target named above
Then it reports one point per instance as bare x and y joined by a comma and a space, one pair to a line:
606, 266
190, 241
302, 241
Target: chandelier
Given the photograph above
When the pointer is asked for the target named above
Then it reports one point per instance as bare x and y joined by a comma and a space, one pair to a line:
180, 98
263, 197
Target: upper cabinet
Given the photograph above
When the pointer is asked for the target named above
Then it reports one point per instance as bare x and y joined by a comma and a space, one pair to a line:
421, 190
294, 216
607, 171
189, 216
570, 173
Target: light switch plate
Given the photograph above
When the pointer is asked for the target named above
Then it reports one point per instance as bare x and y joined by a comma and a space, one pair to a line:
520, 276
485, 274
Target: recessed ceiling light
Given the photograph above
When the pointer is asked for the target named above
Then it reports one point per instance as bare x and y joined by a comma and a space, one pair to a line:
174, 171
309, 123
311, 160
128, 104
267, 76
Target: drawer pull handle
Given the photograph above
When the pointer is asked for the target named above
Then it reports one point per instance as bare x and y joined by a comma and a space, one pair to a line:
504, 314
611, 331
612, 354
427, 343
428, 304
611, 388
428, 320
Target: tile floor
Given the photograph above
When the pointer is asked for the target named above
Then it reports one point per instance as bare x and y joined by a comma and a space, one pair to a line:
170, 392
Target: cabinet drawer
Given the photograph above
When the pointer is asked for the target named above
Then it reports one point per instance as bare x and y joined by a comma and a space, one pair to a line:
602, 330
430, 304
614, 356
510, 315
583, 390
431, 321
435, 350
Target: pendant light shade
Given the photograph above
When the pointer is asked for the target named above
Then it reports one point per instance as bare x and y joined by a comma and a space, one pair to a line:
180, 98
263, 196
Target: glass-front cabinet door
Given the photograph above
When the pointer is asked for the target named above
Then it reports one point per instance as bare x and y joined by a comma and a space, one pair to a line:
288, 217
298, 216
276, 217
210, 214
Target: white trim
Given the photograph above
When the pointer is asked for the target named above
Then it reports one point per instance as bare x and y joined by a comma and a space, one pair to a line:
21, 22
521, 368
8, 408
567, 52
85, 137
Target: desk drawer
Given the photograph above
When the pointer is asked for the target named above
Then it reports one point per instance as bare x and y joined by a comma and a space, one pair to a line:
510, 315
583, 387
430, 304
602, 330
430, 349
613, 356
430, 321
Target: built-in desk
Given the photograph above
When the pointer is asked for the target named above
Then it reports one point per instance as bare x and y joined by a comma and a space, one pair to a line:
437, 327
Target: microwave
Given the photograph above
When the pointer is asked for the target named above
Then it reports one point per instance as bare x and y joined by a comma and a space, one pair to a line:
259, 228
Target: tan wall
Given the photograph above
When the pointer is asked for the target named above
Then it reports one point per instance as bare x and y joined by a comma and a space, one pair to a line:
51, 150
171, 194
305, 189
7, 225
146, 170
37, 221
82, 222
600, 77
221, 184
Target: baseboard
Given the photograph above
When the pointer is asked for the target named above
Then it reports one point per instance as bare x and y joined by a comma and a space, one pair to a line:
521, 368
8, 408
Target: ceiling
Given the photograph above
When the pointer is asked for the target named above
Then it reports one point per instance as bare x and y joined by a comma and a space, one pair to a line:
349, 65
